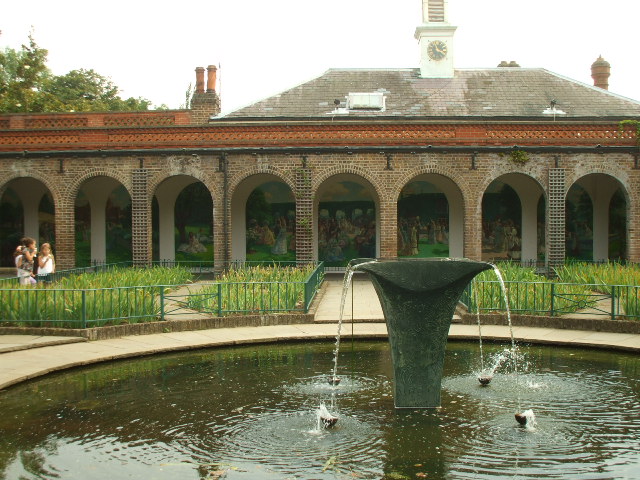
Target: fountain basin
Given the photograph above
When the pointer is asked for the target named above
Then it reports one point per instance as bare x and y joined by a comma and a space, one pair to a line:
250, 412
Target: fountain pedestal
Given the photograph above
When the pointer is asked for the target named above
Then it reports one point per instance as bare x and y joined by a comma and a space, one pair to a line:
419, 298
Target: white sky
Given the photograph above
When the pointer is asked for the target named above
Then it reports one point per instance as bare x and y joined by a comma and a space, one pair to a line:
150, 48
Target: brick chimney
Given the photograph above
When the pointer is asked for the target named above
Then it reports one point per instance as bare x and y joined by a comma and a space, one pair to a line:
199, 80
211, 78
205, 104
600, 72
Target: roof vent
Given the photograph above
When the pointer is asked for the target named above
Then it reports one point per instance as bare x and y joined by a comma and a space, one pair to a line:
512, 63
366, 101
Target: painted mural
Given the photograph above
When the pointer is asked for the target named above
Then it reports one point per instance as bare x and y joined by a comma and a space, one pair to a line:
423, 221
618, 226
271, 223
346, 224
193, 218
118, 227
578, 224
501, 223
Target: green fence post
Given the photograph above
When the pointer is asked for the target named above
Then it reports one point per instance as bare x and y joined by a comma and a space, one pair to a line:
84, 309
613, 302
161, 303
553, 293
219, 299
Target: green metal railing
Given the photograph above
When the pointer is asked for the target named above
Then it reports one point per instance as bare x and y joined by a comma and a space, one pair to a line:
223, 298
76, 308
554, 299
83, 308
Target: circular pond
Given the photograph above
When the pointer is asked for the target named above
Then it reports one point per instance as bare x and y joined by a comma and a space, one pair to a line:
250, 412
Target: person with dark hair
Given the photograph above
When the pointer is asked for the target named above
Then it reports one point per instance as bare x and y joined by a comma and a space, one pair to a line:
24, 258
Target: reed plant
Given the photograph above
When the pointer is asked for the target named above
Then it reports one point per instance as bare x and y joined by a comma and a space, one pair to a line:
120, 295
254, 289
528, 292
621, 281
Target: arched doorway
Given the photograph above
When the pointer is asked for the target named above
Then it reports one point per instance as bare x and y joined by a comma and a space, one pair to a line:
513, 220
263, 220
26, 209
182, 218
596, 219
430, 218
103, 222
347, 219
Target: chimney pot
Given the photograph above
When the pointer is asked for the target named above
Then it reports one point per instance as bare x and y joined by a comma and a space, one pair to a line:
600, 72
199, 80
211, 78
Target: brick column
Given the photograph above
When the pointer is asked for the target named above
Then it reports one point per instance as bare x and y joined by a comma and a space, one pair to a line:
388, 230
472, 242
555, 224
304, 215
65, 245
633, 218
141, 218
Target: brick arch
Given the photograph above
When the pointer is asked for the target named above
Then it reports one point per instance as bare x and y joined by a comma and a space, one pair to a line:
616, 174
429, 170
52, 186
71, 192
601, 207
208, 182
353, 170
238, 178
509, 170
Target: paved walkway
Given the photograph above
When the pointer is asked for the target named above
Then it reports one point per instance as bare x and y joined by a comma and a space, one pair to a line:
23, 357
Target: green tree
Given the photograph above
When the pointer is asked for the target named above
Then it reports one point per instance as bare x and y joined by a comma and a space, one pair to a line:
22, 74
27, 85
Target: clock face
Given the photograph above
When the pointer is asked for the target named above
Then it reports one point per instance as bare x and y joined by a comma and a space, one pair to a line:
437, 50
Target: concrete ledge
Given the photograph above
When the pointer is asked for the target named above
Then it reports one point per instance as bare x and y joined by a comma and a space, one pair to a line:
562, 323
14, 343
177, 325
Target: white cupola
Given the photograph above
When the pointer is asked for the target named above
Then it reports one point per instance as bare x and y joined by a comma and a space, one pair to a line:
435, 37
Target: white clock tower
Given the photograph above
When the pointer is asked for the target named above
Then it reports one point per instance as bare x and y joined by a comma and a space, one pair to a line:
435, 37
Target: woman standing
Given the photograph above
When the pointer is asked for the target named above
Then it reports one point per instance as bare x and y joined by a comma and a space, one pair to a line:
46, 263
24, 261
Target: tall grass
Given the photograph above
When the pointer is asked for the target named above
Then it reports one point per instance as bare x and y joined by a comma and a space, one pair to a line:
254, 289
120, 295
623, 278
528, 292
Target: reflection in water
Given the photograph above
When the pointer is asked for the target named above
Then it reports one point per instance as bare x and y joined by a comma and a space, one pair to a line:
251, 413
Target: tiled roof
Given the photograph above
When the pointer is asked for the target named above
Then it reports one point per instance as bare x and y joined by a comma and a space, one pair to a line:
495, 92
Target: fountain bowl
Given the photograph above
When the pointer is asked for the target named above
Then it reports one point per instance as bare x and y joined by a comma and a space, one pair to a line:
485, 380
333, 380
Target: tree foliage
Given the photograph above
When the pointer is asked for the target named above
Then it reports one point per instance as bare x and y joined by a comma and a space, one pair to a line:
27, 85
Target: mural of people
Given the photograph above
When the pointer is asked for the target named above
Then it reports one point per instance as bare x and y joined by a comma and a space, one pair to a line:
423, 221
578, 224
193, 226
270, 223
501, 223
346, 224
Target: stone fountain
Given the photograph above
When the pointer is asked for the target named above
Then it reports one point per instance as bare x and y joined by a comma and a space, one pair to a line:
418, 298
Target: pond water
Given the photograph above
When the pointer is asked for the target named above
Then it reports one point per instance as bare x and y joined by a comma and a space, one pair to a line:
250, 412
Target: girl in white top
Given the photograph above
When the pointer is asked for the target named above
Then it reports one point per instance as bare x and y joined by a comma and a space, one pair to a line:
46, 263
